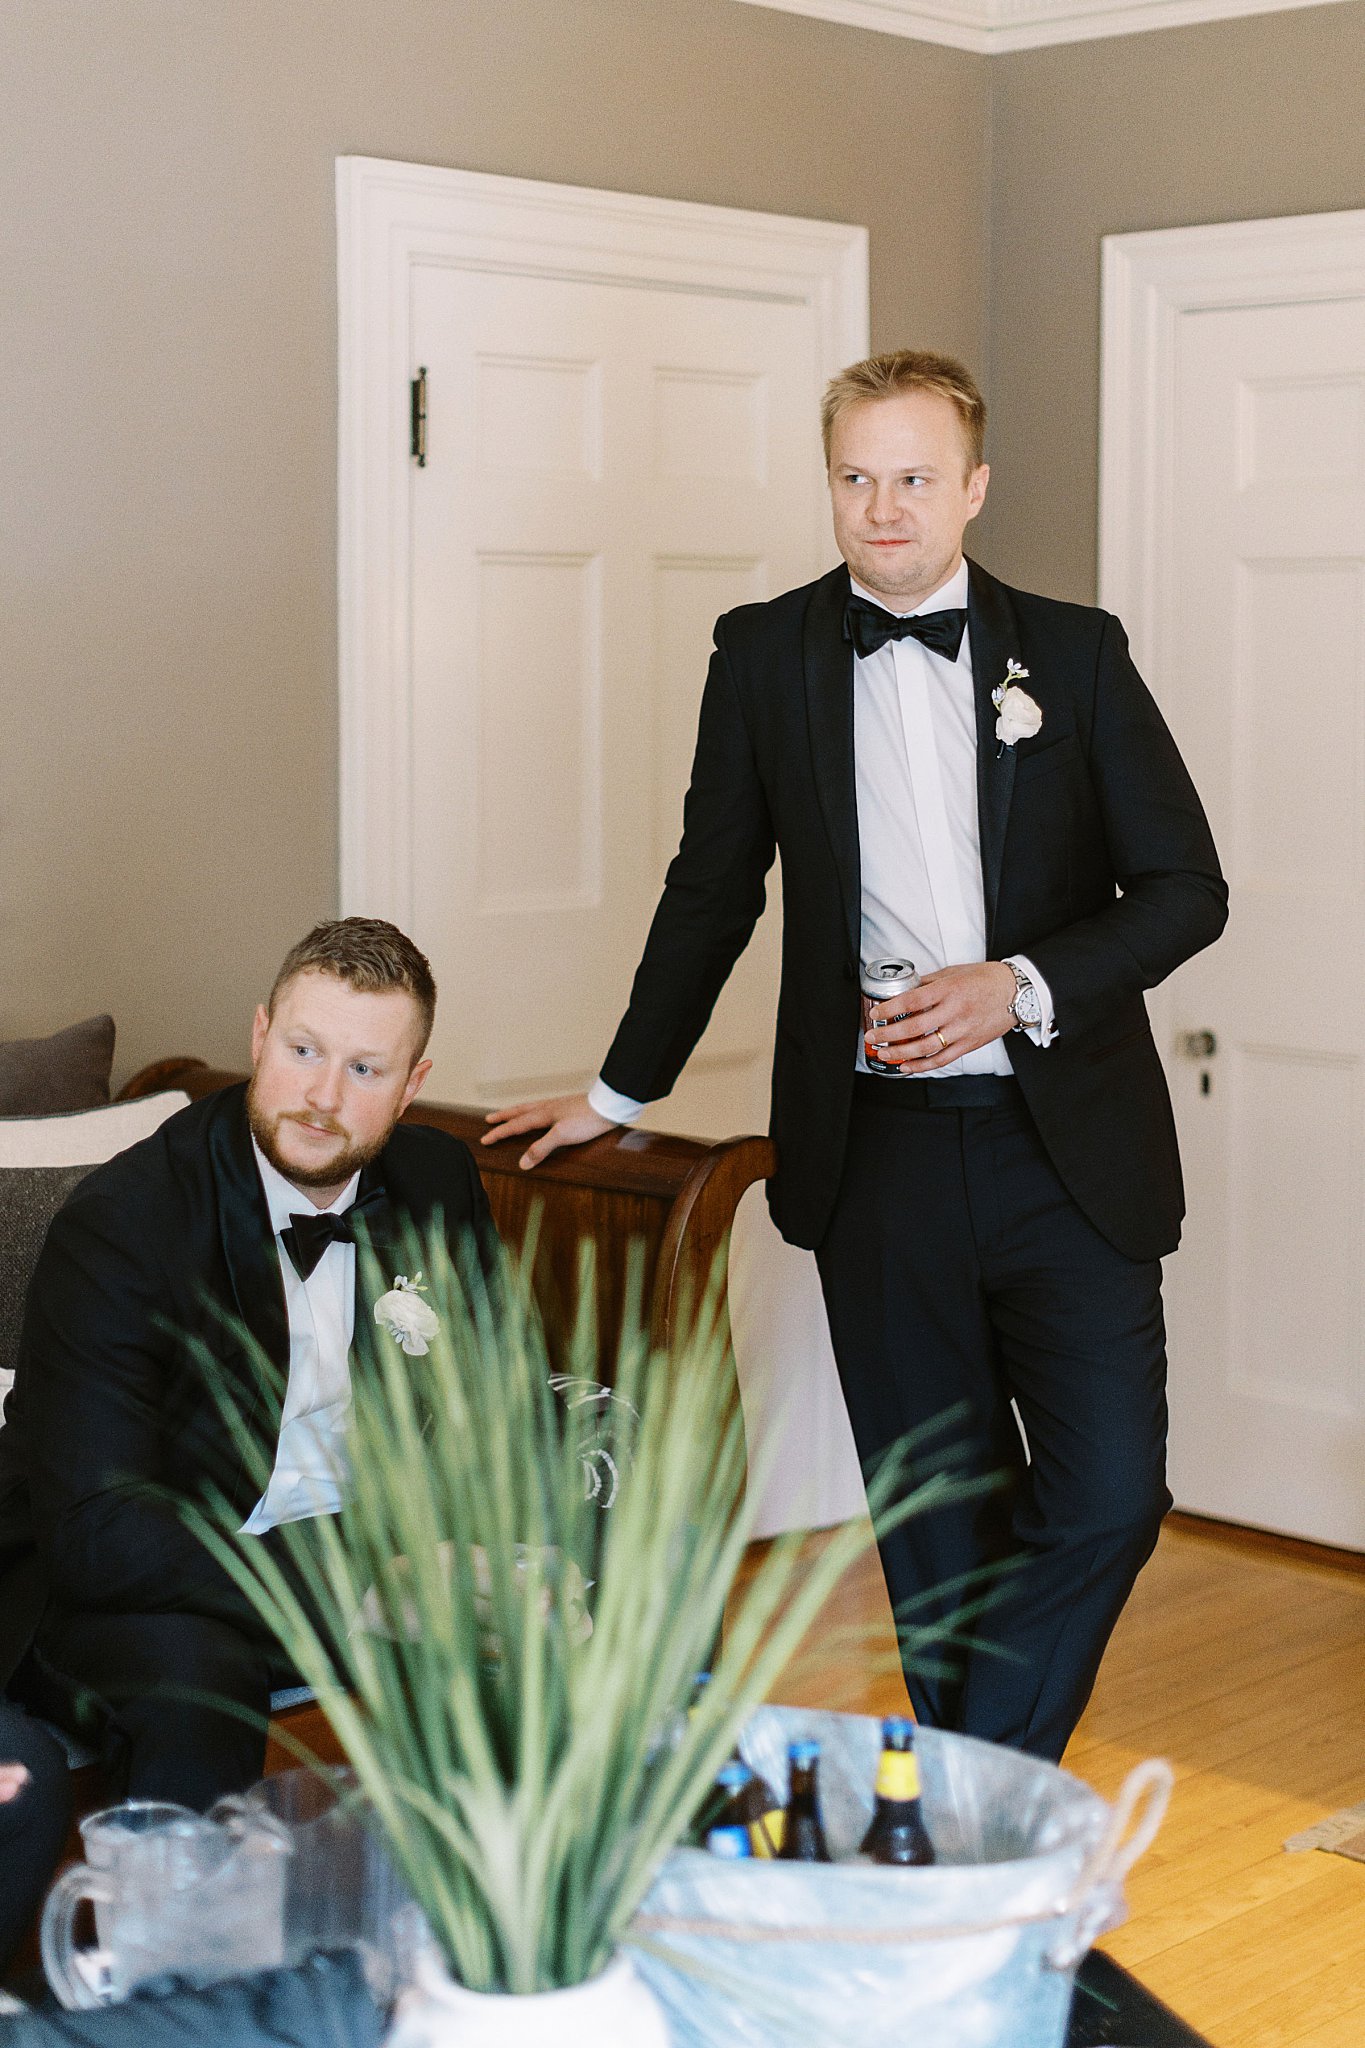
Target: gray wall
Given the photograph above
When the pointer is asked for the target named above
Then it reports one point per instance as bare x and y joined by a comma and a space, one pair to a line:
1234, 120
167, 367
168, 394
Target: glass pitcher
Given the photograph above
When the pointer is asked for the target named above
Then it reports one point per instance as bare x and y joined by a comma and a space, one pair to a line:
341, 1887
173, 1891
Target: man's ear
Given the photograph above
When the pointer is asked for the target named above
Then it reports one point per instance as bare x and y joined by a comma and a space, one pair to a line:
260, 1024
976, 489
414, 1082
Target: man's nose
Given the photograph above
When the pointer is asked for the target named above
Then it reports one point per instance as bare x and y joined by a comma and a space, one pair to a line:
324, 1087
883, 507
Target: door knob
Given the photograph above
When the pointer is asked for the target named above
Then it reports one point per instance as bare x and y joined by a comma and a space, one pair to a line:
1198, 1045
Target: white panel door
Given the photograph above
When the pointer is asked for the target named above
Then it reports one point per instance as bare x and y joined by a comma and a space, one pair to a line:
622, 443
1265, 676
609, 467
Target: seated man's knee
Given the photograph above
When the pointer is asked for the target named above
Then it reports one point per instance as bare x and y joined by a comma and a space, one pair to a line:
192, 1715
190, 1670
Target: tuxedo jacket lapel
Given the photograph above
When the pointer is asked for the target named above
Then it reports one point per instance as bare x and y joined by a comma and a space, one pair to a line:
247, 1240
995, 641
381, 1241
828, 660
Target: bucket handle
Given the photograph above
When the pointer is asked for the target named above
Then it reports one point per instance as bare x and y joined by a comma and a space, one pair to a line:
1097, 1897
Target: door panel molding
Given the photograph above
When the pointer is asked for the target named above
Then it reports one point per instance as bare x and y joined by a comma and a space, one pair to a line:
392, 216
1148, 282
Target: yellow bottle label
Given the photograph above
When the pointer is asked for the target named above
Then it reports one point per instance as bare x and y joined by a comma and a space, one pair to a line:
767, 1835
898, 1775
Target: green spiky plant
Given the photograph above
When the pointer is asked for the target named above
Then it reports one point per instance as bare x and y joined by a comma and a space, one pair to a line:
530, 1775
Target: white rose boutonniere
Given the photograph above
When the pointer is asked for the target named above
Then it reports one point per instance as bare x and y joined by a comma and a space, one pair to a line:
1020, 718
404, 1314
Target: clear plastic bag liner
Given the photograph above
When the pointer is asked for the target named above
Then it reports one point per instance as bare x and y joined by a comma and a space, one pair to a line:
971, 1952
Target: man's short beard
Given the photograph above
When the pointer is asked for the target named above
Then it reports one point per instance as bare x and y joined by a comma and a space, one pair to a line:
335, 1172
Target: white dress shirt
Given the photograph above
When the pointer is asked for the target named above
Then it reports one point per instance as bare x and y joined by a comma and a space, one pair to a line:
919, 841
310, 1458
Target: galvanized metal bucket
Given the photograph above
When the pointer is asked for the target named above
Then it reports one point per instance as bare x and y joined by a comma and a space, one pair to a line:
979, 1950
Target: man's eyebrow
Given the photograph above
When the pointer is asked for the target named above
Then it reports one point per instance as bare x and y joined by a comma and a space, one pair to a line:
895, 469
361, 1053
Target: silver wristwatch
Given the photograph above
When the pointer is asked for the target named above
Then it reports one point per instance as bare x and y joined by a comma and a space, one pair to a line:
1027, 1006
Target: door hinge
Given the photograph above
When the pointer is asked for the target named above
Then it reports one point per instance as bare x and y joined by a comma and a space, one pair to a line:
419, 419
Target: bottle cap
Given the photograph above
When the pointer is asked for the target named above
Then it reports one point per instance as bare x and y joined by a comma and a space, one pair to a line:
804, 1754
734, 1775
898, 1731
731, 1843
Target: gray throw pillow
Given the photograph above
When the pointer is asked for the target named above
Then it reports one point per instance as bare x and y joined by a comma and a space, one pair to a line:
30, 1197
70, 1070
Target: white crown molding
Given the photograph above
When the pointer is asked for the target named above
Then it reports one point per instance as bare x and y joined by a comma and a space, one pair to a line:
996, 26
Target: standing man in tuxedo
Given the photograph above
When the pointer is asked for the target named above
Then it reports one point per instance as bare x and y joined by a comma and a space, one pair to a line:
237, 1221
976, 779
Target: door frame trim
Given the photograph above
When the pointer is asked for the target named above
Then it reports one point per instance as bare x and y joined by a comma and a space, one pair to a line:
1148, 281
391, 216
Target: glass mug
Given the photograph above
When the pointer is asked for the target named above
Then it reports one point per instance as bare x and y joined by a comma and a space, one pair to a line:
340, 1887
172, 1891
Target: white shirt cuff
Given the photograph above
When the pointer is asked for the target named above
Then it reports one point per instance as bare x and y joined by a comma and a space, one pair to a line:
1045, 1030
619, 1109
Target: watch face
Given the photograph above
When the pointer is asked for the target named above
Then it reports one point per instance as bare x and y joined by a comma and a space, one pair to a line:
1027, 1006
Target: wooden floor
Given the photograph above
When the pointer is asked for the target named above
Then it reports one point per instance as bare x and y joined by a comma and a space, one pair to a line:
1247, 1670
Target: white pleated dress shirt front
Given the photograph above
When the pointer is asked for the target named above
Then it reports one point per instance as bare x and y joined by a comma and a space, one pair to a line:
310, 1459
919, 840
919, 837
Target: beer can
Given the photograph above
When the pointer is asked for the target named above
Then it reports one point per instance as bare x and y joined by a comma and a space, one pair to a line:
879, 981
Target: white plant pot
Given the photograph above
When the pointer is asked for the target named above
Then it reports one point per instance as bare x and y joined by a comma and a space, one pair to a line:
615, 2010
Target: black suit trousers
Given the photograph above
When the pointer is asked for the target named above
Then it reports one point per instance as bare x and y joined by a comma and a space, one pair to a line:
957, 1270
176, 1704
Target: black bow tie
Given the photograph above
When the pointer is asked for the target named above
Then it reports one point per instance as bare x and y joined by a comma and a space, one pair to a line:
869, 627
308, 1237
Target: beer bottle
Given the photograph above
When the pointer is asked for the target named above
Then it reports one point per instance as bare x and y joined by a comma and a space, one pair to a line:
728, 1833
898, 1833
767, 1821
803, 1839
762, 1805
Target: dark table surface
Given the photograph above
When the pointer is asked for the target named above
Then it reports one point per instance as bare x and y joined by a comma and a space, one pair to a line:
1111, 2010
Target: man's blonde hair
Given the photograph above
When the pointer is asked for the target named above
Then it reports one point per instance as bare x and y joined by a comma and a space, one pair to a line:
908, 369
369, 955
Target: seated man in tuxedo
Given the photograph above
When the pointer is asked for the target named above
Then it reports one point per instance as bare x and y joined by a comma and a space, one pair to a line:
238, 1213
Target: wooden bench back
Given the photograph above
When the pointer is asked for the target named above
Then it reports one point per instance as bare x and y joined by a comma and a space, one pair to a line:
674, 1196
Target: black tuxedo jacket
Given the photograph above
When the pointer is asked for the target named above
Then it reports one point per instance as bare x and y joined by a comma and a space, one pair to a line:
160, 1244
1096, 859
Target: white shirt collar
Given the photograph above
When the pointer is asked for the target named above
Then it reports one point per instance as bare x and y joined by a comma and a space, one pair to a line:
950, 596
285, 1200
